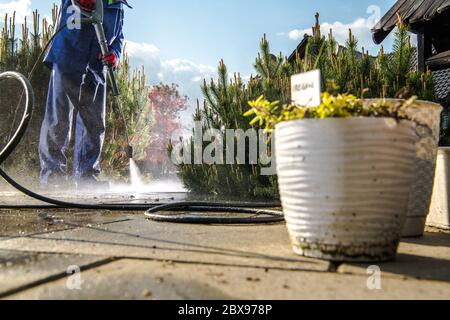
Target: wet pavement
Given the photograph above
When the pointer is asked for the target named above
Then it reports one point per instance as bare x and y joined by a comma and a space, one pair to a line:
121, 255
23, 223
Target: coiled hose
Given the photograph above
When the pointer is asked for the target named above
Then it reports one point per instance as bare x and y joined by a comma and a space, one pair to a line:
26, 117
255, 213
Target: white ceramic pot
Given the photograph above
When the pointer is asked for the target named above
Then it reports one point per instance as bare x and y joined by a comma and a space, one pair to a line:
345, 185
427, 116
440, 206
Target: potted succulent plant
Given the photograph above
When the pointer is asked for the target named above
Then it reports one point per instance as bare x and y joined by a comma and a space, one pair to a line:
345, 169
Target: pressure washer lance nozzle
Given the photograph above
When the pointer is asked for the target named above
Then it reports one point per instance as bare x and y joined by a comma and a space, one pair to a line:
129, 151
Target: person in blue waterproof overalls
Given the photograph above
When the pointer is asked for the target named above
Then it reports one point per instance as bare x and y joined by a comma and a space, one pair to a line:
77, 88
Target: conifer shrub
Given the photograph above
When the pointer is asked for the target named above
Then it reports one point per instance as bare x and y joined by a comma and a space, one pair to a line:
19, 51
348, 75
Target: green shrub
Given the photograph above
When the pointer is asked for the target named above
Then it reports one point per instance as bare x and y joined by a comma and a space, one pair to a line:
138, 116
20, 54
344, 71
268, 114
226, 101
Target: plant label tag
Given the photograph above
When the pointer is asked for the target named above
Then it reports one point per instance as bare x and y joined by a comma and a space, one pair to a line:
305, 89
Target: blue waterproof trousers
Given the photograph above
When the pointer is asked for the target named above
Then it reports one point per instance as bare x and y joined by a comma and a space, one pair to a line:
73, 95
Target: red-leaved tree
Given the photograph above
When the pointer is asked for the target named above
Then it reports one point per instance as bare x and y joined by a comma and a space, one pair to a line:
166, 103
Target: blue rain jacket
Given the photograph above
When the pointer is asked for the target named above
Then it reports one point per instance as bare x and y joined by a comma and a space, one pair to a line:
77, 88
73, 95
77, 49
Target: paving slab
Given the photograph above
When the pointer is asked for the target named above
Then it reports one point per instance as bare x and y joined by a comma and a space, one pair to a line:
131, 279
20, 223
262, 246
121, 195
140, 259
420, 258
21, 270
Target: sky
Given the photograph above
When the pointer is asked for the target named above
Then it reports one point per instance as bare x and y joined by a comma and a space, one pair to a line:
182, 41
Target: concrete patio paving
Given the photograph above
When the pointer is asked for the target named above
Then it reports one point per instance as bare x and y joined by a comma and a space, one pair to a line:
124, 256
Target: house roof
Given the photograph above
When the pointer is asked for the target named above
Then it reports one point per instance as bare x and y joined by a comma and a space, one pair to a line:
441, 79
300, 50
439, 61
412, 12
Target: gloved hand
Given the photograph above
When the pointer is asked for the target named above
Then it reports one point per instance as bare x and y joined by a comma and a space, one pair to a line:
88, 5
110, 59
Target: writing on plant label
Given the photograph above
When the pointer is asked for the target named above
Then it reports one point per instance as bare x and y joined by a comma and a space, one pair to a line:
305, 88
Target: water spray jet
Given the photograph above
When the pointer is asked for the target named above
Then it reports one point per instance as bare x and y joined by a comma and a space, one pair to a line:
255, 212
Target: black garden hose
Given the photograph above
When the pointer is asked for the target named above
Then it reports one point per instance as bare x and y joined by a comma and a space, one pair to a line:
26, 117
263, 215
255, 213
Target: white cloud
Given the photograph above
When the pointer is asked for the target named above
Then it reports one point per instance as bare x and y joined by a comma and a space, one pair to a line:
184, 66
186, 73
166, 70
21, 7
361, 28
189, 76
296, 34
143, 50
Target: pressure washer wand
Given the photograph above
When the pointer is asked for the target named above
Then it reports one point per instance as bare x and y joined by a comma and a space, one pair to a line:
96, 19
100, 32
